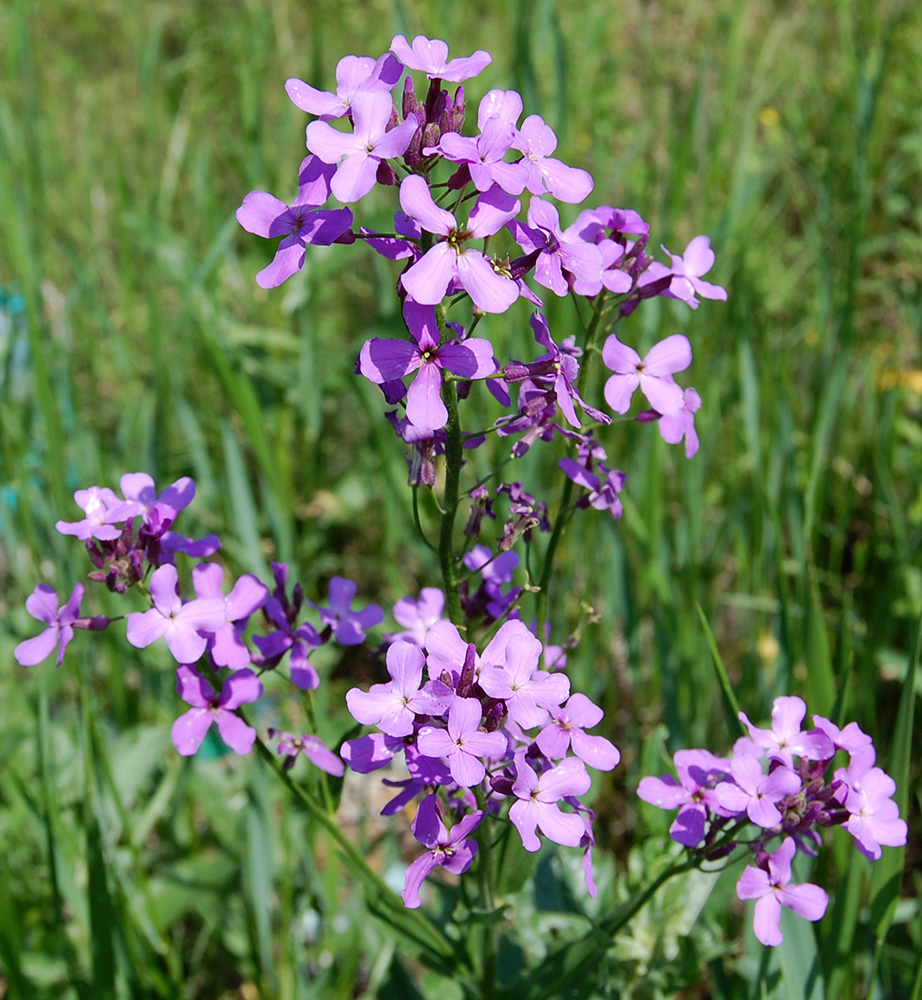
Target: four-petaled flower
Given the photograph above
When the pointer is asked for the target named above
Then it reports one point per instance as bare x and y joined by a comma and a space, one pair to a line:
190, 729
771, 887
453, 849
462, 743
42, 604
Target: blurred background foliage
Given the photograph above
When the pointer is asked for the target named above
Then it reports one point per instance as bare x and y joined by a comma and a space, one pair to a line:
133, 336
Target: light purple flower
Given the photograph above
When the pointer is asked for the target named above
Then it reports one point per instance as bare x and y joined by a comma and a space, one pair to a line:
383, 361
159, 510
185, 627
697, 260
348, 626
604, 485
190, 729
430, 56
247, 596
756, 793
874, 818
699, 772
393, 707
453, 849
353, 74
462, 743
772, 890
42, 604
682, 424
484, 155
652, 373
428, 280
418, 615
98, 504
312, 747
785, 738
537, 802
358, 154
527, 691
537, 141
562, 257
566, 730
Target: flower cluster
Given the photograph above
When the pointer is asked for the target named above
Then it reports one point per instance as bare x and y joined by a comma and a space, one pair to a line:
775, 781
482, 733
132, 546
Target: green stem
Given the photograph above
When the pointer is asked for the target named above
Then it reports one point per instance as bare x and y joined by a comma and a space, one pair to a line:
427, 934
450, 498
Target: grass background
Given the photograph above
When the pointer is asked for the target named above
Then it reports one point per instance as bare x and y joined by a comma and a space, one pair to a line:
133, 337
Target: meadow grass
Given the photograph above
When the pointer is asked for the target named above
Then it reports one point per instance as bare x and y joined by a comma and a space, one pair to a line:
134, 337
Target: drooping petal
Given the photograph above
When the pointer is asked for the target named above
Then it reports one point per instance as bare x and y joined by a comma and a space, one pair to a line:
188, 731
425, 408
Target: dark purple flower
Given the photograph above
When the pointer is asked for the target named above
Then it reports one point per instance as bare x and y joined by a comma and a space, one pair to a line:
348, 626
453, 849
299, 224
382, 361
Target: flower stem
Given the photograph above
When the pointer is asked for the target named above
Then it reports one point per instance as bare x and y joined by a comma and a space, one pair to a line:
450, 498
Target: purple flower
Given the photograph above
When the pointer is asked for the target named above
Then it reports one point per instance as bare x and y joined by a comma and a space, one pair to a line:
353, 74
98, 503
527, 691
430, 56
419, 615
604, 486
686, 270
537, 802
699, 772
190, 729
565, 730
370, 753
42, 604
874, 818
652, 373
462, 744
770, 886
756, 793
299, 224
301, 640
393, 707
428, 280
785, 738
159, 510
682, 424
312, 747
358, 155
383, 361
453, 849
537, 141
248, 595
484, 155
348, 625
562, 256
184, 626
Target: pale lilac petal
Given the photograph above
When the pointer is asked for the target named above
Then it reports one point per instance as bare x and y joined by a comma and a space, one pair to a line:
428, 279
507, 104
488, 290
188, 731
806, 900
619, 357
669, 356
688, 826
619, 390
235, 732
569, 184
330, 144
42, 604
33, 651
765, 920
698, 257
322, 757
596, 751
247, 596
416, 201
313, 101
240, 689
563, 828
369, 753
145, 627
434, 742
753, 884
394, 143
569, 777
355, 177
664, 396
493, 210
193, 688
471, 359
466, 769
524, 816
